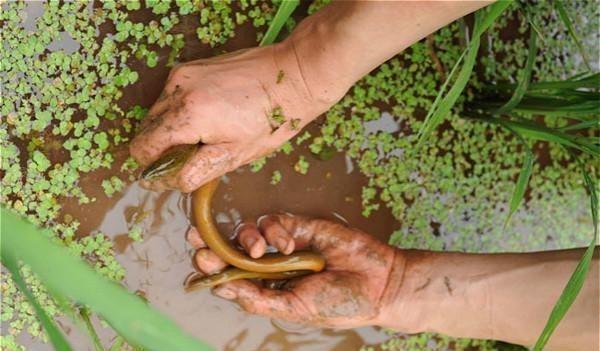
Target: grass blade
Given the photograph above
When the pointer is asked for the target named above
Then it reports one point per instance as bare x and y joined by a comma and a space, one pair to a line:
590, 81
85, 316
577, 279
524, 77
442, 106
70, 277
490, 13
525, 11
539, 132
522, 181
564, 16
581, 125
283, 13
54, 334
448, 101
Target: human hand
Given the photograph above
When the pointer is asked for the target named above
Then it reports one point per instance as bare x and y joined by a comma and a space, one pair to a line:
351, 292
240, 106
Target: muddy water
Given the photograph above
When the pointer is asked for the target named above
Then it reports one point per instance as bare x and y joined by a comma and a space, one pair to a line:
156, 267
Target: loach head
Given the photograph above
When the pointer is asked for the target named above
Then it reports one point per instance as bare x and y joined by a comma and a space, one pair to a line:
170, 162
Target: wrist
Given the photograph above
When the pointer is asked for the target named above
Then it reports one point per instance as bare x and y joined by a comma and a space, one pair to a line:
436, 285
399, 304
316, 49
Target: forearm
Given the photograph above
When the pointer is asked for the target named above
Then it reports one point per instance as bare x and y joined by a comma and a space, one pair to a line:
346, 40
496, 296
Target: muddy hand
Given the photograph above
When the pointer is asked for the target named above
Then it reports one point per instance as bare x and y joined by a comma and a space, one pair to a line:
238, 107
348, 293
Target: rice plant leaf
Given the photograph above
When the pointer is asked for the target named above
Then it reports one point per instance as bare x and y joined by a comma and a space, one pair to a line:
524, 77
85, 316
57, 338
489, 15
525, 11
118, 344
581, 125
587, 80
283, 13
564, 16
447, 102
522, 181
70, 277
577, 279
442, 105
536, 131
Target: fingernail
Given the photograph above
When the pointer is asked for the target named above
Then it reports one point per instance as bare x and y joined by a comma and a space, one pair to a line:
281, 244
225, 293
249, 242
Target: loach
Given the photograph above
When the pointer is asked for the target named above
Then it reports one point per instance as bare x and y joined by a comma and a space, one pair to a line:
270, 266
170, 162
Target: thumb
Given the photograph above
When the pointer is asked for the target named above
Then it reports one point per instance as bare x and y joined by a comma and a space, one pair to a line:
205, 164
209, 162
280, 304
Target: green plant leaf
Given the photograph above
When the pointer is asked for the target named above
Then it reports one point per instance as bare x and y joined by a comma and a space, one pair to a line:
525, 11
442, 106
84, 314
535, 131
524, 77
490, 13
591, 81
522, 181
70, 277
439, 111
581, 125
54, 334
577, 279
283, 13
564, 16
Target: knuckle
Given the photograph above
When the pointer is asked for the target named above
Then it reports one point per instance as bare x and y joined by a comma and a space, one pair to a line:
188, 99
185, 184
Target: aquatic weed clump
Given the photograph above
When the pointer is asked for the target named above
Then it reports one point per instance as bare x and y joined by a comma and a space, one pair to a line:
62, 122
52, 110
459, 183
62, 73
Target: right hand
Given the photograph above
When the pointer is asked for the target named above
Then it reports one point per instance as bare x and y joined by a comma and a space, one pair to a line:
361, 273
226, 103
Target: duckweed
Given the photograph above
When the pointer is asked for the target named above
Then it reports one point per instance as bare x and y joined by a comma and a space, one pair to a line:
61, 120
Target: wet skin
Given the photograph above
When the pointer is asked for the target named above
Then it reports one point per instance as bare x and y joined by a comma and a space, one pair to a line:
347, 293
271, 266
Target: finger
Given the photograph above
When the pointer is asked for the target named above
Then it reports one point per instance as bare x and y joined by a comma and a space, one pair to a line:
208, 262
160, 107
207, 163
280, 304
170, 93
276, 234
194, 239
318, 234
165, 131
251, 240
